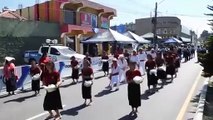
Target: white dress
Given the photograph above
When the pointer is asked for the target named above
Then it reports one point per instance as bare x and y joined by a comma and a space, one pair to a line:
134, 58
123, 66
115, 78
142, 58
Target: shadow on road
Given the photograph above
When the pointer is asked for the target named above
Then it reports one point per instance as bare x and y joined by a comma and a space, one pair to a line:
21, 99
130, 116
146, 94
104, 92
73, 111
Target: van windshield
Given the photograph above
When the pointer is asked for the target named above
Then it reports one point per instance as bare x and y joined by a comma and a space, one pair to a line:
66, 51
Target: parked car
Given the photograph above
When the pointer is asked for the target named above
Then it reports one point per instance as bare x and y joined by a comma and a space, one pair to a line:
55, 52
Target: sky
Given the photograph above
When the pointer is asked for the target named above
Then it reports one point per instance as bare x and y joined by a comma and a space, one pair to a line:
191, 12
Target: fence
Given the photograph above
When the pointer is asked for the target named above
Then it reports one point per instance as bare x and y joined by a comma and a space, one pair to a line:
63, 67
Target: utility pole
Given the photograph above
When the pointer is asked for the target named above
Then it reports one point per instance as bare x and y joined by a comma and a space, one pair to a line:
154, 21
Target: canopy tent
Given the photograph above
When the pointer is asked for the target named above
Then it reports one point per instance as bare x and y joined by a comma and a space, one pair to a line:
149, 35
109, 36
136, 37
172, 40
186, 40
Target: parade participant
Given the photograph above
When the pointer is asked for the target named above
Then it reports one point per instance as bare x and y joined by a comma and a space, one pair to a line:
150, 65
114, 75
159, 60
75, 69
134, 58
87, 76
9, 75
134, 92
142, 56
126, 55
35, 69
88, 57
123, 67
153, 53
42, 61
52, 100
105, 61
161, 72
170, 64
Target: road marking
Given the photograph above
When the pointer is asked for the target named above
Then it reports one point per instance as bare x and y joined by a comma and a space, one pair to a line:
39, 115
188, 99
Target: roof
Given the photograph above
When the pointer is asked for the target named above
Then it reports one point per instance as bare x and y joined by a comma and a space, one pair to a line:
149, 35
109, 36
95, 5
136, 37
11, 15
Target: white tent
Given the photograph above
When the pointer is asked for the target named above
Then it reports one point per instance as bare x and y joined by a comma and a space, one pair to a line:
149, 35
136, 37
109, 36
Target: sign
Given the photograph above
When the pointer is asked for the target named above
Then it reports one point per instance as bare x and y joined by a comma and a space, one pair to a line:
104, 23
89, 20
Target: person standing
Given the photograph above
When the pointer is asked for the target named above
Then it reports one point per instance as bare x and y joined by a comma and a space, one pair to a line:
88, 57
35, 69
126, 55
123, 67
10, 76
87, 75
150, 65
42, 62
75, 69
114, 75
134, 58
105, 61
142, 58
52, 100
170, 64
134, 91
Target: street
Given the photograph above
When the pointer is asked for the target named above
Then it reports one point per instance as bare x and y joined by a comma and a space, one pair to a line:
166, 104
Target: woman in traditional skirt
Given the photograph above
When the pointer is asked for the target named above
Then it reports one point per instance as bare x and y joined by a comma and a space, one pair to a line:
35, 69
52, 100
9, 76
105, 66
152, 80
87, 75
42, 62
170, 65
161, 72
134, 91
75, 69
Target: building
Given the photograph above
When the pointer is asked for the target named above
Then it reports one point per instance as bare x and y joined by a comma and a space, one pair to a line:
166, 26
124, 27
77, 18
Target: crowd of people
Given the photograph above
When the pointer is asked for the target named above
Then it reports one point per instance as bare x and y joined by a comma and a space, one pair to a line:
155, 64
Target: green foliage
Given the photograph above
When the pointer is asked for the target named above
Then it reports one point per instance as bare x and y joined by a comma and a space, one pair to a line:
206, 59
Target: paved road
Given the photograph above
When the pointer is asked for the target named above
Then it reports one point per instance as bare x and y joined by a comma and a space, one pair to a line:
163, 105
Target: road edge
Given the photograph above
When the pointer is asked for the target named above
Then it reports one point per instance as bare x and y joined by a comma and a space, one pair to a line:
201, 103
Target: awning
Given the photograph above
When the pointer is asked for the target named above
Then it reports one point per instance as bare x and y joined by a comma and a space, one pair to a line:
136, 37
172, 40
149, 35
110, 36
186, 40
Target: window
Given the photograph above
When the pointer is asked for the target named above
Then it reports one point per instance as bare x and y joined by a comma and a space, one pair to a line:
54, 51
44, 49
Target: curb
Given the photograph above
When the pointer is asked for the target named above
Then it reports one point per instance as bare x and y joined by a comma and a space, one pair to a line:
201, 103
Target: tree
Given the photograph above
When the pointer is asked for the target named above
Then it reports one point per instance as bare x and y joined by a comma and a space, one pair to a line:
206, 58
